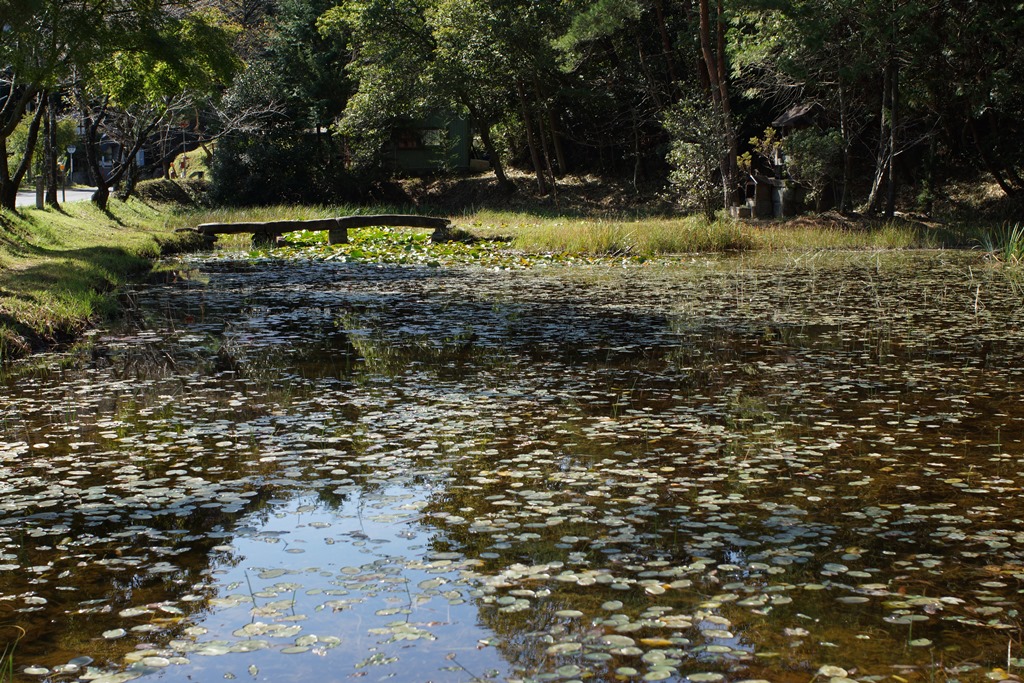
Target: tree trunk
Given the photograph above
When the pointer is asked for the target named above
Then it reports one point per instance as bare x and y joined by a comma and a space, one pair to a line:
649, 78
847, 133
129, 181
637, 166
894, 100
488, 145
495, 159
716, 69
530, 140
8, 189
710, 62
50, 161
729, 170
546, 137
13, 108
556, 141
9, 183
128, 168
91, 120
931, 177
882, 157
101, 197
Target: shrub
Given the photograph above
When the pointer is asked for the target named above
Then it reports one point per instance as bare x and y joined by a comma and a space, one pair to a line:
695, 155
255, 170
813, 159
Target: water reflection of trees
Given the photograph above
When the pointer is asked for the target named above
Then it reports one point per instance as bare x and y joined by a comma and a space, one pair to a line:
734, 527
102, 544
740, 407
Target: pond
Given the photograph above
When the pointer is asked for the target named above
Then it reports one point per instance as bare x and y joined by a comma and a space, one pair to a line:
772, 468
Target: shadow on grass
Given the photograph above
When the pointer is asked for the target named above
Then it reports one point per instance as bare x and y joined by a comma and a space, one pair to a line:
69, 270
56, 297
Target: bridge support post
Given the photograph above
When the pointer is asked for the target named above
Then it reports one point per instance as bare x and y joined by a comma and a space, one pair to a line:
442, 233
264, 238
337, 235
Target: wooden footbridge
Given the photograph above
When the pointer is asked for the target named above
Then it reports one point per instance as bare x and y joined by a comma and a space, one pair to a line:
270, 232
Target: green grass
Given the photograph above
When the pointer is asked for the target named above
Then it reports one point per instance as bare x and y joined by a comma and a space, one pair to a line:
59, 268
7, 657
625, 235
1005, 242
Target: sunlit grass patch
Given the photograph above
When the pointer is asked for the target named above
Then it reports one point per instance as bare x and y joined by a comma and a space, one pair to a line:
797, 236
60, 267
615, 236
670, 235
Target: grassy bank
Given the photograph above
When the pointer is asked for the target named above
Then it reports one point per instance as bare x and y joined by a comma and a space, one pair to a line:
59, 269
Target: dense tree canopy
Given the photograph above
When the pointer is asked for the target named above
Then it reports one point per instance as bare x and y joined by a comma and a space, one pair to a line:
897, 97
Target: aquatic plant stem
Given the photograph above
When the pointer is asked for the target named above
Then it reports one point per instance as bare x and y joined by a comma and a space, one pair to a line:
7, 657
451, 657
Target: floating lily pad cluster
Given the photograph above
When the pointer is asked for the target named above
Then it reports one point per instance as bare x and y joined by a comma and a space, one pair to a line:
703, 470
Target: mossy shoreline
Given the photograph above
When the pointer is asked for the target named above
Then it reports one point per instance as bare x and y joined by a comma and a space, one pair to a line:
60, 269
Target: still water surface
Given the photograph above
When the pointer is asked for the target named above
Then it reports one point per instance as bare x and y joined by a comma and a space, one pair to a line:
703, 470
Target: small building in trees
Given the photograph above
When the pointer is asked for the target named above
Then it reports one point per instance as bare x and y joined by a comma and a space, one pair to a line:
438, 143
773, 192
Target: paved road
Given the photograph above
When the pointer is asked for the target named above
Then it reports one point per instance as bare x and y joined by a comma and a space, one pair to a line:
28, 199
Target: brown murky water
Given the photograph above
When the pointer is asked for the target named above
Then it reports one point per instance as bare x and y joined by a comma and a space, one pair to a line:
711, 470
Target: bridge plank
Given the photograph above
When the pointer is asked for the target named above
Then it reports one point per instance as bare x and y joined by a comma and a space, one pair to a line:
396, 220
263, 231
278, 227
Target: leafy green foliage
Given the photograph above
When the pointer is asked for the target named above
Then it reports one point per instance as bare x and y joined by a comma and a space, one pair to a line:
909, 75
696, 152
193, 53
599, 20
258, 169
288, 95
813, 158
309, 64
18, 142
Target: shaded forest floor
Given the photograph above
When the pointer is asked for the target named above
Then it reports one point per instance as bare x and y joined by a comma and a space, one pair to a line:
959, 205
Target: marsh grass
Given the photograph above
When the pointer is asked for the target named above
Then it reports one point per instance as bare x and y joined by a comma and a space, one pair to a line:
633, 236
1005, 242
647, 236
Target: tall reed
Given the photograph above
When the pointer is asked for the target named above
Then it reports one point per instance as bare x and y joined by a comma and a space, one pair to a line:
7, 657
1005, 242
